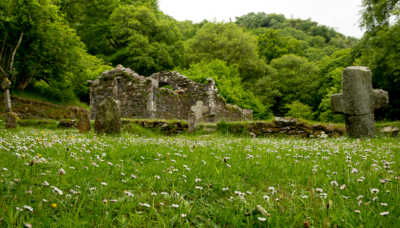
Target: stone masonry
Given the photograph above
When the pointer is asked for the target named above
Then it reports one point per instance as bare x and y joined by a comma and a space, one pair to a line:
358, 101
164, 95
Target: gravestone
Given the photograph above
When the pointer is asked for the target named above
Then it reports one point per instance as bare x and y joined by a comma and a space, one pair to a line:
11, 120
196, 115
358, 101
83, 120
108, 117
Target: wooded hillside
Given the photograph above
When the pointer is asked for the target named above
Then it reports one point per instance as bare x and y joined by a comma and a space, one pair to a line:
266, 62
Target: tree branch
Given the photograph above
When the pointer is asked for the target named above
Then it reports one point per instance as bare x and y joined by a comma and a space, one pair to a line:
3, 71
3, 46
15, 51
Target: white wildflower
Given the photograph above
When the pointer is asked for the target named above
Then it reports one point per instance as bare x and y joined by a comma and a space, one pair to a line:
29, 208
262, 219
384, 213
57, 190
130, 194
334, 183
144, 204
61, 171
374, 190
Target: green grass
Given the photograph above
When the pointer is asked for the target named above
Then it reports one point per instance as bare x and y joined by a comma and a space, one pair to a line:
34, 95
196, 181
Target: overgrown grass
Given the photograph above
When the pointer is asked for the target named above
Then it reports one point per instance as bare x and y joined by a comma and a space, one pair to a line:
35, 95
53, 178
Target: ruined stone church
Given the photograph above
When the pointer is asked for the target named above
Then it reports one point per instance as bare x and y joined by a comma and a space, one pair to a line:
164, 95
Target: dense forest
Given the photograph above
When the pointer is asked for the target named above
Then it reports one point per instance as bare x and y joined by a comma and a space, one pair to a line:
266, 62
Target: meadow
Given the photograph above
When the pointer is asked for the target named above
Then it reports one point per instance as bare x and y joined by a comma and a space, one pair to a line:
60, 178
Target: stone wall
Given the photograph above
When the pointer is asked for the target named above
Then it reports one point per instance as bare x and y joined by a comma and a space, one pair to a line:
164, 95
281, 126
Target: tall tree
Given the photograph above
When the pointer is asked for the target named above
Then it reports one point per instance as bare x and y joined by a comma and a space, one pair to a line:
145, 40
49, 49
379, 49
227, 42
377, 13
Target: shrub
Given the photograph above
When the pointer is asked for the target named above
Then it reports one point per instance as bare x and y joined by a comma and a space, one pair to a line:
299, 110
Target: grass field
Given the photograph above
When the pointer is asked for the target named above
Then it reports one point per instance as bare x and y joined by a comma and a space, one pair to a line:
60, 178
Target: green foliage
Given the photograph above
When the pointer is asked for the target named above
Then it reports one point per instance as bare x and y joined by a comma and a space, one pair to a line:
138, 130
145, 40
51, 51
296, 79
227, 42
228, 82
299, 110
262, 61
379, 51
377, 13
272, 44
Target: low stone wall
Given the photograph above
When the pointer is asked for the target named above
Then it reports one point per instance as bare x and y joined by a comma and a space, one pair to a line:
281, 126
167, 127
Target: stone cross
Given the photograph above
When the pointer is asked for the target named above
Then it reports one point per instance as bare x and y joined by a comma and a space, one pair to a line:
196, 114
358, 101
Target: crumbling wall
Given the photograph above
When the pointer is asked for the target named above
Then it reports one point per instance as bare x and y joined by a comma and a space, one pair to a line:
164, 95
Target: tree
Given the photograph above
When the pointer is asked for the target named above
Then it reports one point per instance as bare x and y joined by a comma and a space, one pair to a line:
227, 42
7, 70
145, 40
296, 79
379, 50
228, 82
50, 50
9, 22
272, 44
299, 110
377, 13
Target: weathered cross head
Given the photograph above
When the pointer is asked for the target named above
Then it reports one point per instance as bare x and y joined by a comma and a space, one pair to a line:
199, 109
358, 101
